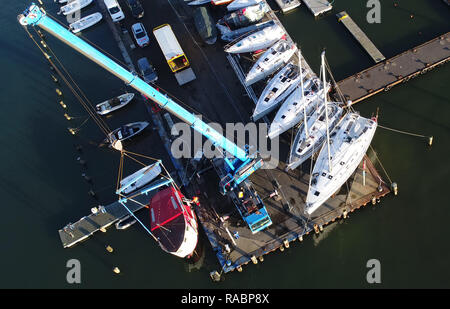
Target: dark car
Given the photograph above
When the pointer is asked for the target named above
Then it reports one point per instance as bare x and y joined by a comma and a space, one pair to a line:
136, 8
147, 70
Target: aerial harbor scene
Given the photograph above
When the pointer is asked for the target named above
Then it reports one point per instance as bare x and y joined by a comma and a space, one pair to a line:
225, 144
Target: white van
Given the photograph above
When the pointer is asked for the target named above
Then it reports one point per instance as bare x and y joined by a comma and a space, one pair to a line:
114, 10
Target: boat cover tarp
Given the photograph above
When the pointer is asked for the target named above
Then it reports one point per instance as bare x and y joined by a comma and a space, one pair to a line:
205, 24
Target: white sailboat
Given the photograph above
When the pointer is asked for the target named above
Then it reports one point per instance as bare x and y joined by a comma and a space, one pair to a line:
340, 156
85, 22
258, 40
270, 61
292, 110
277, 89
239, 4
311, 134
74, 6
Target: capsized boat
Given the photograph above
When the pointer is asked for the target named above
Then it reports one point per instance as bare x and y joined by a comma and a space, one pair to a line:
125, 132
245, 16
291, 111
231, 35
272, 59
173, 222
277, 89
259, 40
239, 4
348, 144
205, 25
310, 138
85, 22
113, 104
74, 6
139, 178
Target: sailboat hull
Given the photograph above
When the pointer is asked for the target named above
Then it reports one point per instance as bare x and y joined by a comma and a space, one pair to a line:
348, 144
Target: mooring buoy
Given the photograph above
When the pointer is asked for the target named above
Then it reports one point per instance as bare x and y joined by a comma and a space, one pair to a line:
109, 248
116, 270
430, 141
394, 188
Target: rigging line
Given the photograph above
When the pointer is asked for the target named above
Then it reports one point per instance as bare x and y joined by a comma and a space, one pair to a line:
381, 164
56, 68
119, 172
141, 155
140, 222
76, 85
402, 132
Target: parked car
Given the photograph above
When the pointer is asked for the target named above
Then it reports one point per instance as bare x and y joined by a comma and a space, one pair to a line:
136, 8
140, 35
114, 10
147, 70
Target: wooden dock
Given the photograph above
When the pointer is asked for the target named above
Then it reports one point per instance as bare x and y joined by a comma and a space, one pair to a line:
105, 216
284, 195
360, 36
318, 7
288, 5
398, 69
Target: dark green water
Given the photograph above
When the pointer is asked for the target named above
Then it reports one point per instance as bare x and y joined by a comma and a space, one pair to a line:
42, 189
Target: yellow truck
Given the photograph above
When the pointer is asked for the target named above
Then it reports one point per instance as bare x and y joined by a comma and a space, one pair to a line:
174, 54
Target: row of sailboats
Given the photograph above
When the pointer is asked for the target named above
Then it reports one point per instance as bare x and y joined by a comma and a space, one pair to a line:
341, 140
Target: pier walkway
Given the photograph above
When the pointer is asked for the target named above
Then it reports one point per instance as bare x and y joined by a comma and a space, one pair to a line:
360, 36
398, 69
318, 7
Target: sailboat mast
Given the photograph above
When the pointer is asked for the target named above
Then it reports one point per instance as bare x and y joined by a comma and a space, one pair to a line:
326, 108
301, 85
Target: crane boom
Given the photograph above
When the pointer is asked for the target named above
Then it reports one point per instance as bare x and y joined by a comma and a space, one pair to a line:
237, 169
34, 16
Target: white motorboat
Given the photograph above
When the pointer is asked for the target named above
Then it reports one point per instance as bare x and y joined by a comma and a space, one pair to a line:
113, 104
312, 134
277, 89
259, 40
85, 22
336, 163
291, 111
125, 132
239, 4
139, 178
270, 61
74, 6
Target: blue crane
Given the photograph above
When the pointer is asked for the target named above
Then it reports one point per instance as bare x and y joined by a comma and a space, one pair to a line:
236, 170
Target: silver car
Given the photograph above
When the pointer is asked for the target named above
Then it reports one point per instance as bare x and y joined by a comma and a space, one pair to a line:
140, 35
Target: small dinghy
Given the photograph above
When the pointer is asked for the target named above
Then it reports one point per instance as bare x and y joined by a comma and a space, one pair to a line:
125, 132
245, 16
85, 22
291, 112
139, 178
277, 89
270, 61
125, 223
239, 4
74, 6
113, 104
310, 138
259, 40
